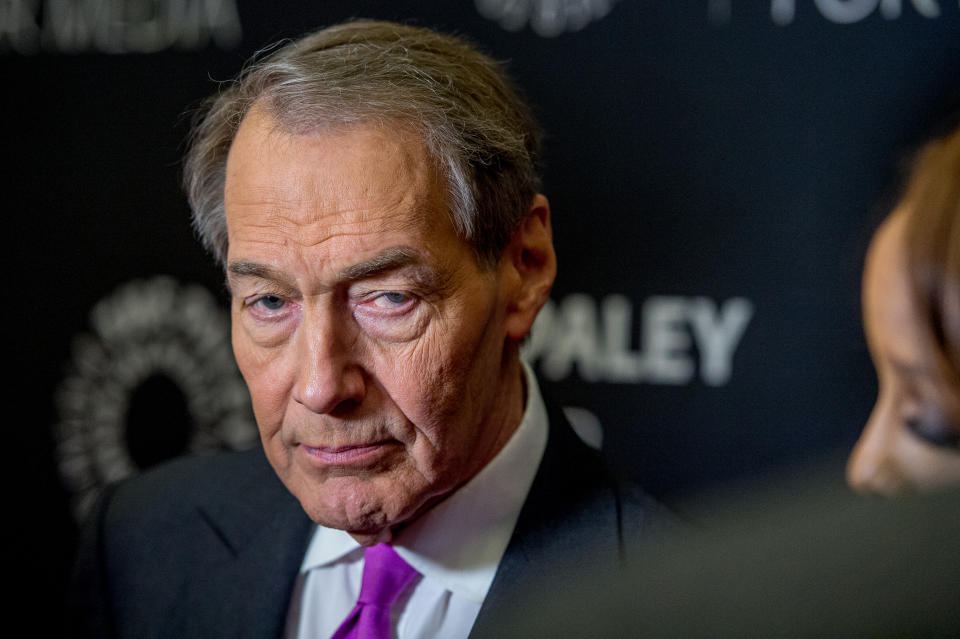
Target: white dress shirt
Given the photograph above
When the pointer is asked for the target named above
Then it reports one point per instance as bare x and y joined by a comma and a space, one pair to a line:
456, 546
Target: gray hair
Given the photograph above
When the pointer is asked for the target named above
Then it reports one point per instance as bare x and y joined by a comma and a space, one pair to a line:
481, 134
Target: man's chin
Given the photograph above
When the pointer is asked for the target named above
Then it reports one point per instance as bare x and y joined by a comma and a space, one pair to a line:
372, 539
350, 506
370, 509
366, 520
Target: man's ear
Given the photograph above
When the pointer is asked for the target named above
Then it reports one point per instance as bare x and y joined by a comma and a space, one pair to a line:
532, 266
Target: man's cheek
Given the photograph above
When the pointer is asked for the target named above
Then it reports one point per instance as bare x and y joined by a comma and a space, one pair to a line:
403, 369
266, 371
431, 375
243, 353
268, 396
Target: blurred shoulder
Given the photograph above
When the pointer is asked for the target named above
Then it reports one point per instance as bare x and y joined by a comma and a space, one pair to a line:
642, 514
182, 485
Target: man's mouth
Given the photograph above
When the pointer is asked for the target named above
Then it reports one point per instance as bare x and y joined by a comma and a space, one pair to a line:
351, 454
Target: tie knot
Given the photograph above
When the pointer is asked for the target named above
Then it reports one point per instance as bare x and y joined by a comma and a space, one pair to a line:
385, 576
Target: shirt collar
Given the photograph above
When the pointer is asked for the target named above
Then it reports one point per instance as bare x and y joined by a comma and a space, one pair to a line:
459, 542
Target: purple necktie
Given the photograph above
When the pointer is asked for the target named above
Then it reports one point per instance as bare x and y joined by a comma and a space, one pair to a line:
385, 576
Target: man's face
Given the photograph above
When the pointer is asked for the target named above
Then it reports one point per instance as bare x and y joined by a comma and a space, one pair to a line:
371, 340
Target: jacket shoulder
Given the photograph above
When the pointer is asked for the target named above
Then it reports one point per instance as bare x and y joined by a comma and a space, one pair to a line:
181, 485
183, 543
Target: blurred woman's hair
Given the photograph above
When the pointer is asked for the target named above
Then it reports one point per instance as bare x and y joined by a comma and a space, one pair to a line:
931, 204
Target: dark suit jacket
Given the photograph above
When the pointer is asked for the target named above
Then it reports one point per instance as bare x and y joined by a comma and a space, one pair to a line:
210, 546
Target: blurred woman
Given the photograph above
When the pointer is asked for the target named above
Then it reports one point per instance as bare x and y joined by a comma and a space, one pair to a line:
911, 307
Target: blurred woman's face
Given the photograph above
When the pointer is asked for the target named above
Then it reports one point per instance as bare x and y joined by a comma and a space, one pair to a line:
909, 442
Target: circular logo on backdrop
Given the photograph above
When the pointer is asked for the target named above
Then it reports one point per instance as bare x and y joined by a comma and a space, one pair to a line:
547, 18
153, 378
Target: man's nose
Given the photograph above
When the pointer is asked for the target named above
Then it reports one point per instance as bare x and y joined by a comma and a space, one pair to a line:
330, 380
873, 466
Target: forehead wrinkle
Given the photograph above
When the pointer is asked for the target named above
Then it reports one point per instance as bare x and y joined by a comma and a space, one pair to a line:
309, 204
327, 224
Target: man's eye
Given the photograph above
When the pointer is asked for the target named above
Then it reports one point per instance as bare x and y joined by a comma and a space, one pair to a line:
395, 298
934, 431
391, 299
271, 302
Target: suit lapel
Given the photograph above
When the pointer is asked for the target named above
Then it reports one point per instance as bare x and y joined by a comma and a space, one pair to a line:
571, 512
259, 533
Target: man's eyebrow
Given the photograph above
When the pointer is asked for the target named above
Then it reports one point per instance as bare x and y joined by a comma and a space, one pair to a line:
243, 268
390, 259
387, 260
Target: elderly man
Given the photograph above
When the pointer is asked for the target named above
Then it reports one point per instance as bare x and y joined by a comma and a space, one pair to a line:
372, 193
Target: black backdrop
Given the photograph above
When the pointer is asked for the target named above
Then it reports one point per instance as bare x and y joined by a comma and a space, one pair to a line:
715, 169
